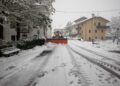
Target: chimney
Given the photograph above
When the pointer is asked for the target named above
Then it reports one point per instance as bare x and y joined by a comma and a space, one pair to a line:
93, 15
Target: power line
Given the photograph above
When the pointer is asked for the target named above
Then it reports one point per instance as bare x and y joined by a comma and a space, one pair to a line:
102, 11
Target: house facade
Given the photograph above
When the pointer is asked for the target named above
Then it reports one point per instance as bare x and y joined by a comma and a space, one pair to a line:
6, 33
13, 31
92, 28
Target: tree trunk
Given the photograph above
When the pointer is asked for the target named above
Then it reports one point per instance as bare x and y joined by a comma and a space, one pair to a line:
18, 31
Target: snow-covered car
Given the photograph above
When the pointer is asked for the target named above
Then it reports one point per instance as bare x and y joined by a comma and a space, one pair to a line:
9, 51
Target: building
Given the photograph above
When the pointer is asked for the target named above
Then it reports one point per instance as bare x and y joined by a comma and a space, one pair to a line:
14, 31
6, 32
92, 28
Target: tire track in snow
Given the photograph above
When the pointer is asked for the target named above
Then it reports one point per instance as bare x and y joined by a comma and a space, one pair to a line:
83, 79
115, 66
17, 69
33, 79
98, 54
9, 79
97, 62
21, 61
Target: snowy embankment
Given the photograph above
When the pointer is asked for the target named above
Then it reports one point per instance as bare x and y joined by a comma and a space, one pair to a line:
93, 74
102, 48
97, 58
98, 72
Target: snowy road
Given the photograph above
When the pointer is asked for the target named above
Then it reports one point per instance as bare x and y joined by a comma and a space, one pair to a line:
61, 67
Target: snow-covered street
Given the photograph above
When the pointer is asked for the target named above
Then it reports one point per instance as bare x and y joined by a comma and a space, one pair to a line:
78, 63
59, 43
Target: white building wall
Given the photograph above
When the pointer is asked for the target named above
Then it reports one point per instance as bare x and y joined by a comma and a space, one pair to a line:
8, 32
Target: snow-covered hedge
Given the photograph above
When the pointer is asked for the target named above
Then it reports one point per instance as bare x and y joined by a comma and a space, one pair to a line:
4, 46
30, 44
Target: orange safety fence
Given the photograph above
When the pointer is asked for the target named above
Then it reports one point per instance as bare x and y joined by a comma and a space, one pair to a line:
58, 41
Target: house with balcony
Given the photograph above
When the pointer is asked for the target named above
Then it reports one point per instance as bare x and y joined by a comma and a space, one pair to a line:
91, 28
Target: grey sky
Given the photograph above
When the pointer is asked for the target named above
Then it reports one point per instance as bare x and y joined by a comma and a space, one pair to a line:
69, 10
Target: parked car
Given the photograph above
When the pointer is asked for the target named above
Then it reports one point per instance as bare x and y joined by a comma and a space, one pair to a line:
9, 51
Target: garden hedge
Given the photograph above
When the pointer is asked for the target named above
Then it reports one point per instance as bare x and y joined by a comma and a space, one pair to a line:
30, 44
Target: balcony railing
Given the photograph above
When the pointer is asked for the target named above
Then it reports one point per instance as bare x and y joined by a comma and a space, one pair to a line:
102, 27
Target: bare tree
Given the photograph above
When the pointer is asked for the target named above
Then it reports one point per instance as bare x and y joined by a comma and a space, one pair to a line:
115, 23
115, 28
68, 28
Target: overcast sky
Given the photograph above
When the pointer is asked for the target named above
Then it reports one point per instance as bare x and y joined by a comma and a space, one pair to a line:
69, 10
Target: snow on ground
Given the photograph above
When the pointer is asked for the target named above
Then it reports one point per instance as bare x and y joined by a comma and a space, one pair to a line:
24, 54
61, 67
108, 45
11, 65
103, 48
57, 69
95, 75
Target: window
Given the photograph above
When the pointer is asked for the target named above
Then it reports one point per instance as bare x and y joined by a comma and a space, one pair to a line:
40, 2
24, 35
95, 31
89, 31
81, 31
1, 20
102, 31
13, 37
99, 24
12, 24
89, 38
82, 24
102, 38
95, 24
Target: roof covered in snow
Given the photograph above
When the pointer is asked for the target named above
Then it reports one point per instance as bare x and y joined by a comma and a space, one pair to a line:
79, 21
